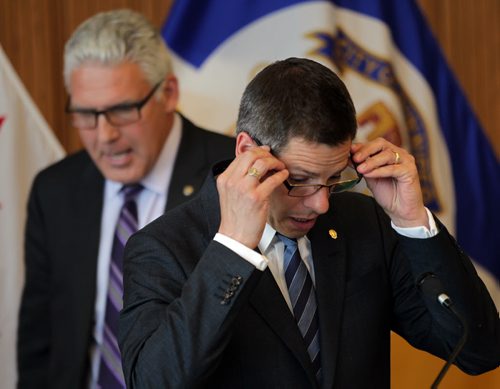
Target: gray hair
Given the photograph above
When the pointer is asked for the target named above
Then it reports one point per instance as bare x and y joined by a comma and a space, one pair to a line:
113, 37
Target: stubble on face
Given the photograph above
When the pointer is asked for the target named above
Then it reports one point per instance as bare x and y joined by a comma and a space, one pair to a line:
296, 216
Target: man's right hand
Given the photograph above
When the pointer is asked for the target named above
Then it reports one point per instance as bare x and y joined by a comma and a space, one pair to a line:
244, 191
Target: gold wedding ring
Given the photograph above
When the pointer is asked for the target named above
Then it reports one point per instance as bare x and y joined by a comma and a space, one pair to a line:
254, 172
398, 157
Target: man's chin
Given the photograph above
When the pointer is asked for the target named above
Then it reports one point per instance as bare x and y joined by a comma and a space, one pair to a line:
123, 175
296, 227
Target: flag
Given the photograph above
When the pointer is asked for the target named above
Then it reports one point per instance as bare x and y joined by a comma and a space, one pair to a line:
400, 82
26, 145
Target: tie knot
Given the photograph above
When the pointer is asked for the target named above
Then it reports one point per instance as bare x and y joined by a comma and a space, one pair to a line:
130, 191
288, 242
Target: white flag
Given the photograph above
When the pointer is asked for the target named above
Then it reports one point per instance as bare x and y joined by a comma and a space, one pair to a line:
26, 145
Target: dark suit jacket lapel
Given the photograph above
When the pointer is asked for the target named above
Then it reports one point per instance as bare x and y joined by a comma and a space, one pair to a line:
329, 256
81, 248
90, 197
188, 167
266, 299
269, 303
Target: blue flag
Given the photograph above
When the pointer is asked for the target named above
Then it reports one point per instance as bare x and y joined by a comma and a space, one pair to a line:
400, 82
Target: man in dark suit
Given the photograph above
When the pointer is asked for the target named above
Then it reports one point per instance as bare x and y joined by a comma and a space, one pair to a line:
272, 278
122, 100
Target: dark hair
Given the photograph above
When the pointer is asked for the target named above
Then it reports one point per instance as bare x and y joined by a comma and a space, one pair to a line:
297, 97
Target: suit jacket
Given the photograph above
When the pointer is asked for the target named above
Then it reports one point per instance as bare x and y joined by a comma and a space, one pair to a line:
61, 248
198, 315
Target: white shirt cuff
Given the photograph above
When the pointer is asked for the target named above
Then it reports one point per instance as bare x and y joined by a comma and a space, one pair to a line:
249, 255
420, 232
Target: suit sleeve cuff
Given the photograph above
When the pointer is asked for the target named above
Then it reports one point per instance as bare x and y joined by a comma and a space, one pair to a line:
249, 255
420, 232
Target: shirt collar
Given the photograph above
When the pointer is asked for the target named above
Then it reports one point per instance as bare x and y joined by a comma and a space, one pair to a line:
267, 238
156, 181
269, 235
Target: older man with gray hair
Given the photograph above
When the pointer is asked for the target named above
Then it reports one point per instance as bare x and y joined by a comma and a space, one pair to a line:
141, 158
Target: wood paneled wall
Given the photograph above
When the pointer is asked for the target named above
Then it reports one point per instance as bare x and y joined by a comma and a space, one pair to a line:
33, 32
469, 33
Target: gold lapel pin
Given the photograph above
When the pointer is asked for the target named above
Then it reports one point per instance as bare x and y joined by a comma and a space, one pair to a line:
333, 233
187, 190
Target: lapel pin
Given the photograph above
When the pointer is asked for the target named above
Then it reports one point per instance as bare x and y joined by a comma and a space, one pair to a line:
333, 234
187, 190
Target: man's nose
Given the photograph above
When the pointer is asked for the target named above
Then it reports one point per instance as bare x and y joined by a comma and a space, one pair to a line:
319, 201
106, 132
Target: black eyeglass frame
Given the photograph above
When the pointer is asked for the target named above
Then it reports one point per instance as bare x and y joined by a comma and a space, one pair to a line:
119, 107
332, 188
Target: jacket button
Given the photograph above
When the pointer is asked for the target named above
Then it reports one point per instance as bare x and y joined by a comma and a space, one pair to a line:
236, 280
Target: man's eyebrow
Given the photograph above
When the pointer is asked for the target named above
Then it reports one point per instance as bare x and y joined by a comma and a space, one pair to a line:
123, 104
303, 172
300, 171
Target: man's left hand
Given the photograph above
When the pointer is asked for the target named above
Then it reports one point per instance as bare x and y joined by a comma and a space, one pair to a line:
391, 174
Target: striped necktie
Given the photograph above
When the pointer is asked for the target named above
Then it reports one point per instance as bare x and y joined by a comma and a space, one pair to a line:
110, 369
303, 298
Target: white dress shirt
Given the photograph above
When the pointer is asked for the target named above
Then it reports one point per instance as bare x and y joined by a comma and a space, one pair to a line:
151, 203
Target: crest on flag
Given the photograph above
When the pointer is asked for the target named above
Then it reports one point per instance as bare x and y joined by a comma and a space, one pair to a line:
327, 34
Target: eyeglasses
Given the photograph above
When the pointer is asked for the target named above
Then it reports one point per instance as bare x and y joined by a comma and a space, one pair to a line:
117, 115
349, 178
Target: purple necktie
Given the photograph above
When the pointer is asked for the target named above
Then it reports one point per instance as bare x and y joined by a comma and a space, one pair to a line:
303, 298
110, 369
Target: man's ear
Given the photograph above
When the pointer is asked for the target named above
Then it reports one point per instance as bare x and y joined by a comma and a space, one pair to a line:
170, 90
243, 142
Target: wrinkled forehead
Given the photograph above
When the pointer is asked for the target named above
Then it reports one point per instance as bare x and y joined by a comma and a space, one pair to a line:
99, 85
299, 144
314, 156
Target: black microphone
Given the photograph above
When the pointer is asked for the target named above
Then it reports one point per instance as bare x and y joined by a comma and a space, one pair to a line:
431, 286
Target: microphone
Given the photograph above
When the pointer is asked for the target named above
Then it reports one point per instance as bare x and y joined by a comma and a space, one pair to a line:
431, 286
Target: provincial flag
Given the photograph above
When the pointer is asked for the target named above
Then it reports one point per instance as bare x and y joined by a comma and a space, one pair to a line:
400, 82
26, 145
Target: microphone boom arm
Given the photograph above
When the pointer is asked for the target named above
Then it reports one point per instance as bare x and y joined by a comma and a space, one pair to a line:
432, 287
